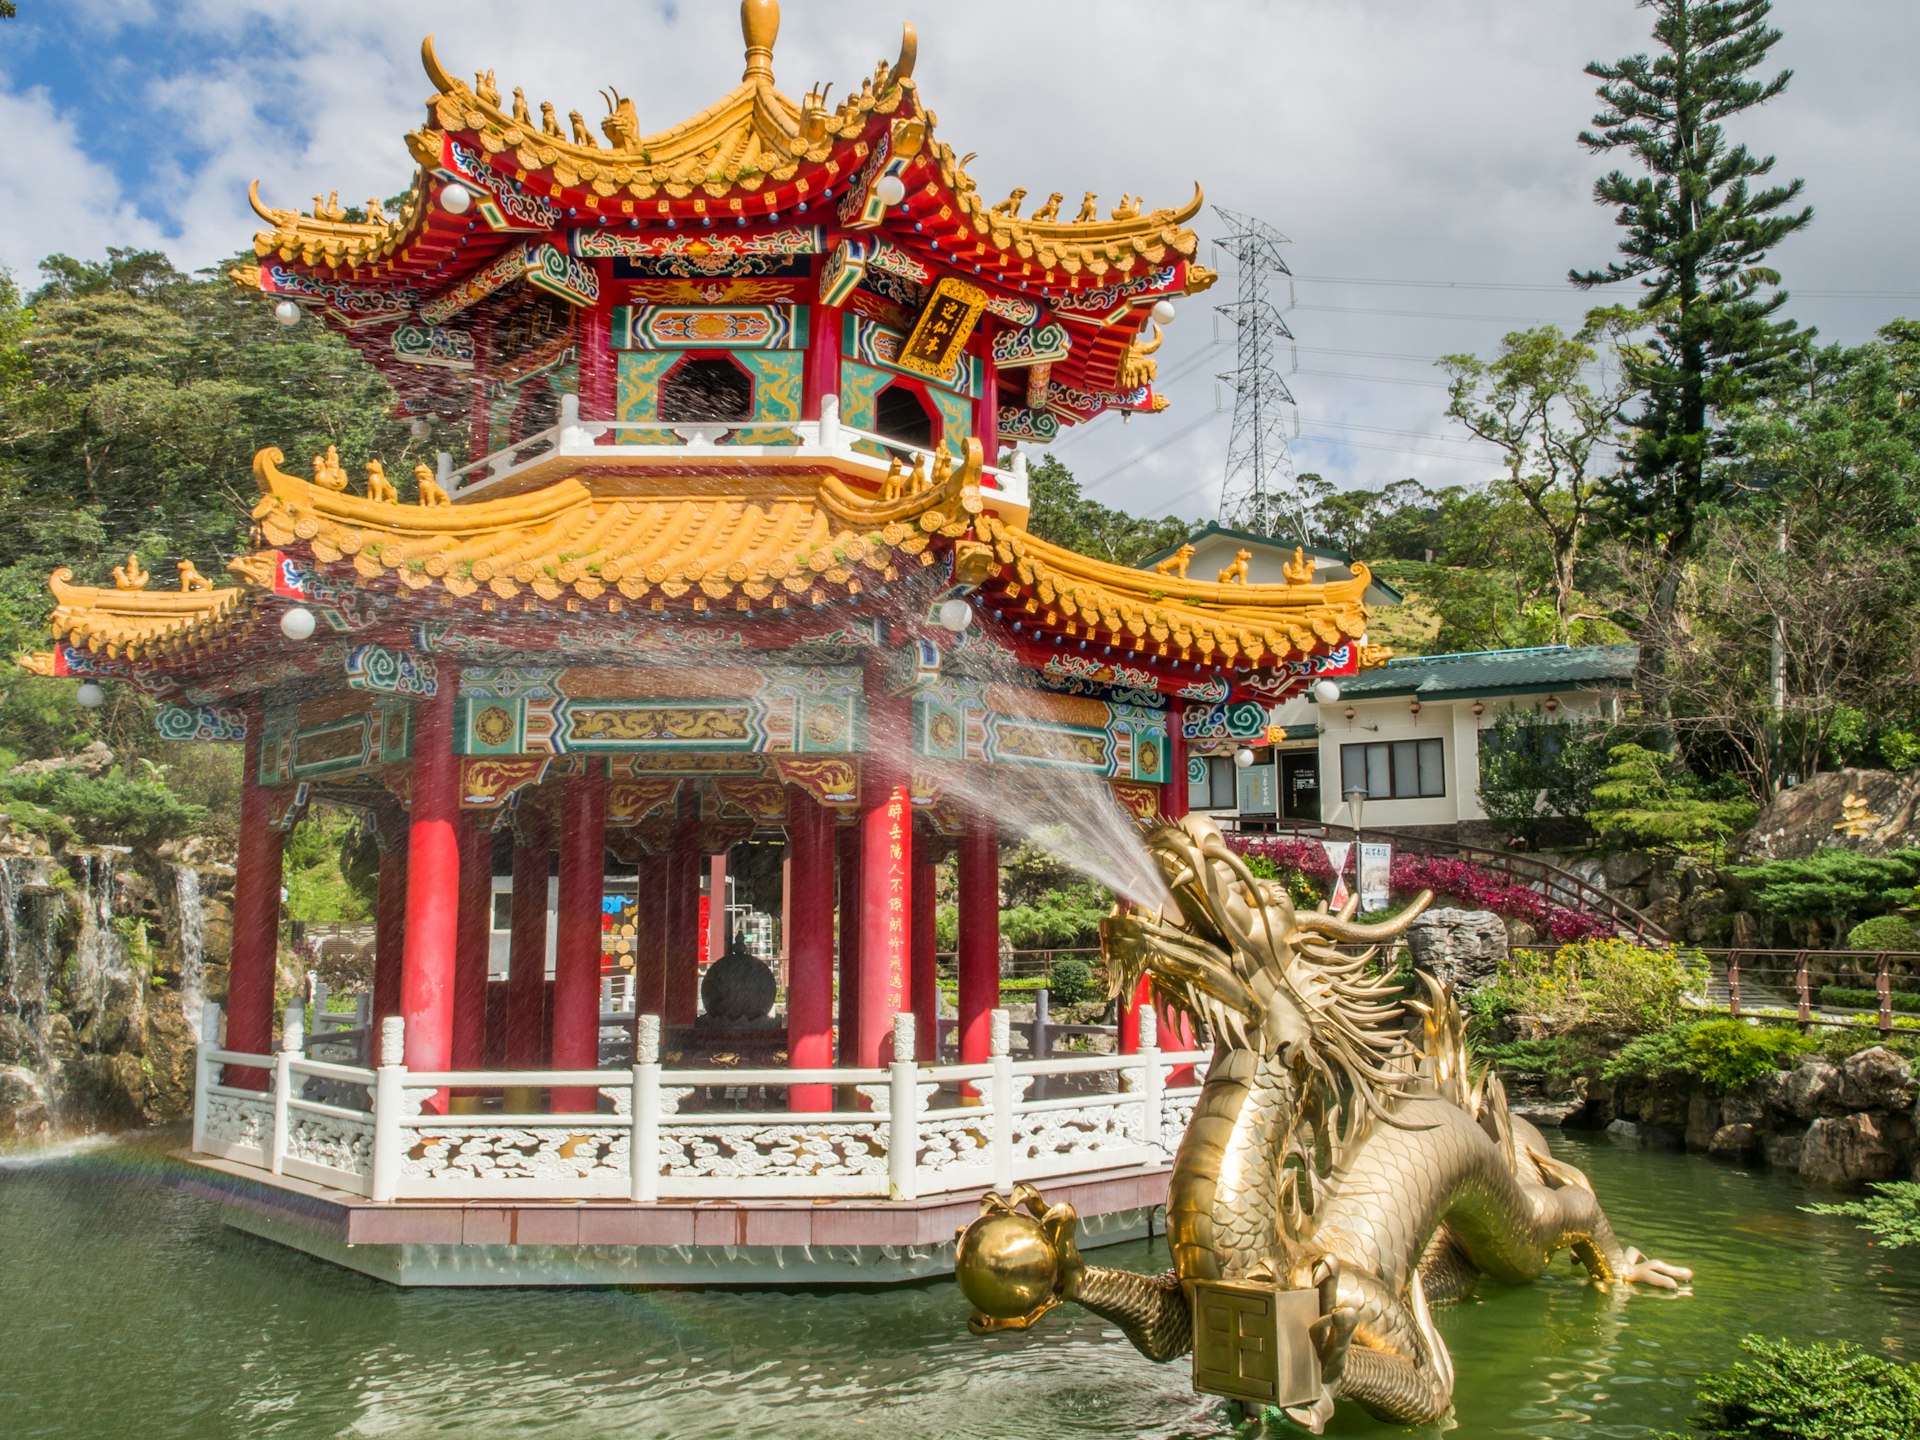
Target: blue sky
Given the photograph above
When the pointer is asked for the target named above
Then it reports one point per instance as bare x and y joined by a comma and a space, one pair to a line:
1418, 153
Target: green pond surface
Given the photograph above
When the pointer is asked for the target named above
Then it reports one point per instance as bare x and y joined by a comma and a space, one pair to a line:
129, 1310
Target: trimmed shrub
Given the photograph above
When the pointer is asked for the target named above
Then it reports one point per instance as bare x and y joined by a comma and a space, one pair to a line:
1071, 982
1724, 1055
1884, 932
1809, 1392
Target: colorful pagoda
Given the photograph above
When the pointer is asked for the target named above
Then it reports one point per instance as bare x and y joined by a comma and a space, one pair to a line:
739, 548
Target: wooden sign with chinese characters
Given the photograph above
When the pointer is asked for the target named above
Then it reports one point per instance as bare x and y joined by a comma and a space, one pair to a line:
945, 325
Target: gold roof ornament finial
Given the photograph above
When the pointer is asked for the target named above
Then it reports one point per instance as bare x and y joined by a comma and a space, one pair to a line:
759, 26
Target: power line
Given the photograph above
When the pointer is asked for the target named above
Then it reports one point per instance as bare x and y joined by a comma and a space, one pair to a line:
1258, 492
1562, 288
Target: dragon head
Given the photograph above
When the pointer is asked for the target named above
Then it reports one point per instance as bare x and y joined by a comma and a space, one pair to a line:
1264, 975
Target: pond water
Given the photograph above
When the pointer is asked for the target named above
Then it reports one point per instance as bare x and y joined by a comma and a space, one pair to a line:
130, 1310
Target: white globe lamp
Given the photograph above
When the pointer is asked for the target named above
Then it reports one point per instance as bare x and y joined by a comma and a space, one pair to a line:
1243, 758
956, 614
297, 623
455, 198
287, 313
90, 696
1325, 691
1163, 312
890, 189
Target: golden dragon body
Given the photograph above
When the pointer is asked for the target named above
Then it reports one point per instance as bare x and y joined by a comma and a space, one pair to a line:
1334, 1147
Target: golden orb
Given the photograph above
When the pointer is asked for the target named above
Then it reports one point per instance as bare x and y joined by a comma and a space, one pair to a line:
1006, 1265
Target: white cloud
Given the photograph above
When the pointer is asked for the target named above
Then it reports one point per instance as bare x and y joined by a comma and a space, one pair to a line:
54, 197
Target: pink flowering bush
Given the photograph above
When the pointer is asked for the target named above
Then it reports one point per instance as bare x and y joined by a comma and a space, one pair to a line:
1450, 879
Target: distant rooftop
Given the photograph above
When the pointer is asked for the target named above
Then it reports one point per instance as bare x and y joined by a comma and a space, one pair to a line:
1493, 672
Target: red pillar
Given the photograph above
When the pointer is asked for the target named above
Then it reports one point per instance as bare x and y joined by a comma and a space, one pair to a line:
576, 964
683, 925
886, 881
256, 922
527, 943
471, 953
979, 957
598, 381
433, 883
389, 921
849, 856
925, 988
718, 935
810, 947
650, 937
822, 376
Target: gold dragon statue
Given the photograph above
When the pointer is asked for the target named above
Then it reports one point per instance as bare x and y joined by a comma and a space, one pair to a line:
1341, 1173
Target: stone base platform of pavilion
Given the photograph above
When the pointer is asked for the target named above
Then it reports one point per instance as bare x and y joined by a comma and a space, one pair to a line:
749, 1243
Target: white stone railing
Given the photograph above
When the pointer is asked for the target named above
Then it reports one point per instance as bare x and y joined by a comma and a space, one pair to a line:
904, 1131
824, 440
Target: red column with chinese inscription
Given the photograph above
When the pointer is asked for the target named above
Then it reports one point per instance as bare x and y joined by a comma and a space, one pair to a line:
256, 922
848, 845
527, 951
433, 884
650, 937
390, 919
471, 955
979, 949
886, 885
925, 989
578, 944
809, 946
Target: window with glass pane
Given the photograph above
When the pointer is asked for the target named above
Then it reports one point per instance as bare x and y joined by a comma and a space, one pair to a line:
1394, 769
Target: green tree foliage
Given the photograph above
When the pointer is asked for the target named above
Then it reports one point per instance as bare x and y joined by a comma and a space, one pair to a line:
1648, 801
1724, 1055
1809, 1392
321, 886
105, 809
1697, 233
1070, 982
1555, 428
1884, 932
1532, 771
132, 399
1832, 886
1062, 514
1610, 987
1891, 1214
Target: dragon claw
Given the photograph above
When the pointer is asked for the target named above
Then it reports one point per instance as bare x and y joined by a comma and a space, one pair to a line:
1657, 1273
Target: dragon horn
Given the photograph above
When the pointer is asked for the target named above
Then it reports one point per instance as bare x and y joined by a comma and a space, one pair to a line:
1340, 928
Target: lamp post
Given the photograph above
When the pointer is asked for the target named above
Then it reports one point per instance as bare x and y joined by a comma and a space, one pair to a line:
1356, 799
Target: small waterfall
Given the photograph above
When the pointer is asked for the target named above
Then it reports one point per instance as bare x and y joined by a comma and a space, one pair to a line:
193, 945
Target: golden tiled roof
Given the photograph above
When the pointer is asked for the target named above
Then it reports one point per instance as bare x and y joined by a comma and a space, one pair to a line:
706, 542
753, 139
1236, 624
711, 541
136, 624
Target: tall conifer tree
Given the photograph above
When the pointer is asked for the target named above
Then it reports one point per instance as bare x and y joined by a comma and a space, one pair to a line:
1697, 238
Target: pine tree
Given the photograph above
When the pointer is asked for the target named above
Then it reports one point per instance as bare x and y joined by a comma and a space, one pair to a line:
1697, 238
